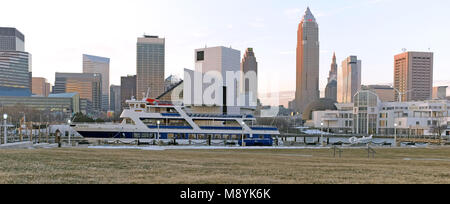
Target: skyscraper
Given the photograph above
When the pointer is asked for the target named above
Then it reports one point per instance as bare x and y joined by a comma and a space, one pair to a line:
127, 89
88, 85
307, 88
150, 66
349, 79
100, 65
331, 89
11, 40
413, 76
15, 64
115, 103
333, 70
249, 81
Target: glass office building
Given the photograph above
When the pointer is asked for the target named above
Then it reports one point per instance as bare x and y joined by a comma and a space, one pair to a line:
150, 66
15, 64
87, 85
94, 64
11, 40
15, 77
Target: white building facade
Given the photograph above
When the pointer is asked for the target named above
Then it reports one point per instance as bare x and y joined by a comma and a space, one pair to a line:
367, 115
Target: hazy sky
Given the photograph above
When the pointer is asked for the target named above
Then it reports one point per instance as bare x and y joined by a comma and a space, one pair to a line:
59, 32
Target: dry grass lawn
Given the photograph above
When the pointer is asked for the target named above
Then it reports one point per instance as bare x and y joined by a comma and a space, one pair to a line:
224, 166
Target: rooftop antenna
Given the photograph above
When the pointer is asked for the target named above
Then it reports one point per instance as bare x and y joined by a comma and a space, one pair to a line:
148, 92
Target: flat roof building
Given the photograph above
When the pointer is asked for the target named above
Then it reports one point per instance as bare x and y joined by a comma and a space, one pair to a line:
86, 84
127, 89
11, 39
150, 66
440, 92
15, 64
116, 101
100, 65
349, 79
210, 62
413, 76
63, 105
40, 86
368, 115
386, 93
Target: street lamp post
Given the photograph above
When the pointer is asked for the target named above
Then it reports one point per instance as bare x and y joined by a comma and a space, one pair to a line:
158, 122
70, 132
243, 123
5, 117
321, 132
395, 135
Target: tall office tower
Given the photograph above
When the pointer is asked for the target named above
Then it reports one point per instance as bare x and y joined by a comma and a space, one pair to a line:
307, 88
100, 65
413, 76
249, 81
11, 40
116, 101
333, 71
150, 66
40, 86
331, 89
221, 60
349, 79
127, 89
88, 85
15, 64
439, 92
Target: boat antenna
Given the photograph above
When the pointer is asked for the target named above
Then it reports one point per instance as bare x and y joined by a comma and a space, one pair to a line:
148, 92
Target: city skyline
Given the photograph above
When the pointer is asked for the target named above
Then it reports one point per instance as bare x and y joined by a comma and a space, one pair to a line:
271, 33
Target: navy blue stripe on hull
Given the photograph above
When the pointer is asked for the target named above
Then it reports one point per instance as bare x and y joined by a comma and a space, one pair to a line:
127, 135
258, 140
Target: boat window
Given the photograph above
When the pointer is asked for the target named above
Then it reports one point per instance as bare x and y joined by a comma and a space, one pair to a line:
143, 106
136, 135
129, 121
219, 123
163, 122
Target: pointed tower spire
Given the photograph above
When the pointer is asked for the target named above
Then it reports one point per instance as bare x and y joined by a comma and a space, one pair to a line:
308, 17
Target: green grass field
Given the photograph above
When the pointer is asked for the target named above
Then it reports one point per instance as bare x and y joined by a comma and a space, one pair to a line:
224, 166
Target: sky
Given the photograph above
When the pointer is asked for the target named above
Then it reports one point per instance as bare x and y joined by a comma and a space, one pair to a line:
58, 32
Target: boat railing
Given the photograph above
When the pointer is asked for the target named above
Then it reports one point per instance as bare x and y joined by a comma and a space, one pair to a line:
96, 123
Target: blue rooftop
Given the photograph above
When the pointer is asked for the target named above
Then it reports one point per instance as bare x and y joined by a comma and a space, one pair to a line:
62, 95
